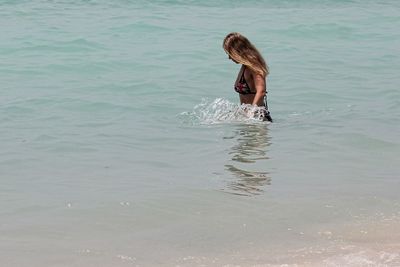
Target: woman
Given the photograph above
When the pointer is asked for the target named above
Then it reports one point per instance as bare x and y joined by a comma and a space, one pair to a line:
251, 80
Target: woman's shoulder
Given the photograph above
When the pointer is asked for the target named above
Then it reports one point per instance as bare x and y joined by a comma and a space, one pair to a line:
253, 73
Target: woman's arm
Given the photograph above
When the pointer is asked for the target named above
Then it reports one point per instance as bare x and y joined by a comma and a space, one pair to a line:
260, 86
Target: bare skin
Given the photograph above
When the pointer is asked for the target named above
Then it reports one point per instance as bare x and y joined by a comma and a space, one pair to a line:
257, 84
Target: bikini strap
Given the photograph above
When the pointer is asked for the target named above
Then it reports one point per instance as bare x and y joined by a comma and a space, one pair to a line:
242, 78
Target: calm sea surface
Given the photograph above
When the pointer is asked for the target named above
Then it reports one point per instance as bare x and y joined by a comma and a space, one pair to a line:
122, 142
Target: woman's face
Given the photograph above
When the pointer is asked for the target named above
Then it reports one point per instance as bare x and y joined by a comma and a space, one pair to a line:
229, 56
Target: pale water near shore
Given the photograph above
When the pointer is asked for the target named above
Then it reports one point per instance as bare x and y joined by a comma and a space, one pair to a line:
122, 144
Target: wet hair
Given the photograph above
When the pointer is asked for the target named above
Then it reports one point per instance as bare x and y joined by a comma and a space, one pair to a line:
240, 49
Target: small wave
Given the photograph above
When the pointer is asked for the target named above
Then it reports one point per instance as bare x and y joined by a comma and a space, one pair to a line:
222, 111
364, 258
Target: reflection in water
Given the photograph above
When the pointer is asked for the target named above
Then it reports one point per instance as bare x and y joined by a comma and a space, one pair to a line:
249, 153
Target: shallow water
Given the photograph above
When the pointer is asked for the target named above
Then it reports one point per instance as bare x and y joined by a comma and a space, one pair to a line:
122, 142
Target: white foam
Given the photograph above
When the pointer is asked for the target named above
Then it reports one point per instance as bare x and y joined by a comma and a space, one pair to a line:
364, 258
222, 111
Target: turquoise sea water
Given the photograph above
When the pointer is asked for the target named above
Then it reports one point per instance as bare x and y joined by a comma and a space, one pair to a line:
122, 143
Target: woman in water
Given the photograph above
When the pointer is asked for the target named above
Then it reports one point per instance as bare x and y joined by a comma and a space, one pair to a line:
251, 80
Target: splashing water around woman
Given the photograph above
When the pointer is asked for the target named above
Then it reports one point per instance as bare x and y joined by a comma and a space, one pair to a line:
223, 111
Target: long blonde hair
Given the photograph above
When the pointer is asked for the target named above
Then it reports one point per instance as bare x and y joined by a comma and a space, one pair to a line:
241, 50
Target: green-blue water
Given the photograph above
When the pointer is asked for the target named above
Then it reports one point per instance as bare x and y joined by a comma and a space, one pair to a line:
118, 146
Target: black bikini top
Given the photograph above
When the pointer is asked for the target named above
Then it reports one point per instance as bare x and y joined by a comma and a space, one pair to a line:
242, 87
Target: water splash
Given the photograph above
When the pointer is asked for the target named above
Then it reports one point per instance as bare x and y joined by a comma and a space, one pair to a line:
222, 111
